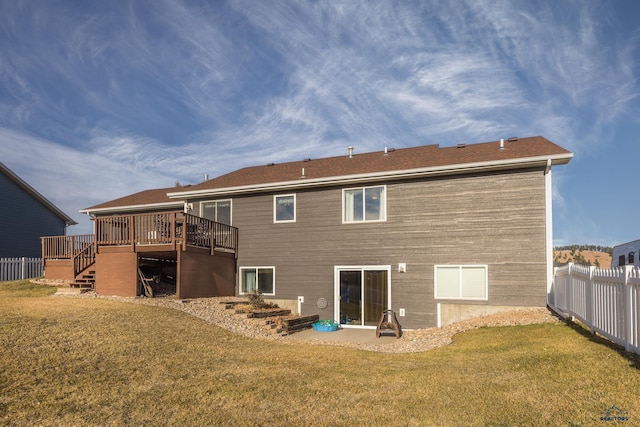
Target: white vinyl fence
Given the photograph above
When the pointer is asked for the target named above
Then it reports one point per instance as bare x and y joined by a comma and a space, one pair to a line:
20, 268
606, 300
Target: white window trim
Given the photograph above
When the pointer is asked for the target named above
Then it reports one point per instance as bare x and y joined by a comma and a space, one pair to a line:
384, 209
202, 202
275, 206
256, 268
460, 267
336, 288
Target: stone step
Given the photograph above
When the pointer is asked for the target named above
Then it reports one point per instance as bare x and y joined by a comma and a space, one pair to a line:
71, 291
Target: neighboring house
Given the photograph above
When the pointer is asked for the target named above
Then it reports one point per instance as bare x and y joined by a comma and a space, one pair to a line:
26, 215
626, 254
435, 234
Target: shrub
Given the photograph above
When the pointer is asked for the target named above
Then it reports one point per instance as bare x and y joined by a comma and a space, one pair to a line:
256, 301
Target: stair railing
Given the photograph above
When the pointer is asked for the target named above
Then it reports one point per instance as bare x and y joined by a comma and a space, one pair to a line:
84, 259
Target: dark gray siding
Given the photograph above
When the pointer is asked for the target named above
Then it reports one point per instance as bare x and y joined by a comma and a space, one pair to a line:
495, 219
23, 220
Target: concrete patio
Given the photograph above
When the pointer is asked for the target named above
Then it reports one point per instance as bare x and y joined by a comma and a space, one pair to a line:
360, 336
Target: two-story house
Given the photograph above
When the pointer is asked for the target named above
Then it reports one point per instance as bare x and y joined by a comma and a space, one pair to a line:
26, 215
435, 234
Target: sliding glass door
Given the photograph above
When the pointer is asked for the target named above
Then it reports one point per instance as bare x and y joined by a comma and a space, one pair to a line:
363, 294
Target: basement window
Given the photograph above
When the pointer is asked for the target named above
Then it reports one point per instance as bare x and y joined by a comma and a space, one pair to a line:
257, 279
461, 282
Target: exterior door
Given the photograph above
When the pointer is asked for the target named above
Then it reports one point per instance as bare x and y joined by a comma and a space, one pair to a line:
363, 294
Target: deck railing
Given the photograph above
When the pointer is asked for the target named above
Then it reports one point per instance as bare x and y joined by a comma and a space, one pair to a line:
165, 228
84, 259
79, 248
175, 229
65, 247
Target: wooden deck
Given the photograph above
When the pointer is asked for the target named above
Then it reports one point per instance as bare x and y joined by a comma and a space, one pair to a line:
149, 233
171, 230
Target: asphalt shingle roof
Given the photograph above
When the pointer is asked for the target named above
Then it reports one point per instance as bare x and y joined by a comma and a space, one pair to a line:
427, 156
401, 159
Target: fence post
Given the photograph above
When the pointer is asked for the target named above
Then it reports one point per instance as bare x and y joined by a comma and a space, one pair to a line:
23, 268
569, 291
590, 303
628, 309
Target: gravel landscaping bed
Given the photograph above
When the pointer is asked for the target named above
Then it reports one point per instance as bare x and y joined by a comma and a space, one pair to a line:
212, 310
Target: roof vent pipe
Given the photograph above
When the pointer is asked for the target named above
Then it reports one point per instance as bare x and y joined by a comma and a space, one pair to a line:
502, 143
206, 177
350, 151
386, 151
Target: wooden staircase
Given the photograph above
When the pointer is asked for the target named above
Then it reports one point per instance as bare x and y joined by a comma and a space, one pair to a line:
85, 281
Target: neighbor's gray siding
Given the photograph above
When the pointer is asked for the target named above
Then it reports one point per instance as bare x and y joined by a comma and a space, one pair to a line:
496, 219
23, 220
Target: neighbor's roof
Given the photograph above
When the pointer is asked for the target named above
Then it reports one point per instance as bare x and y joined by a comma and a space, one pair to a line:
428, 160
39, 197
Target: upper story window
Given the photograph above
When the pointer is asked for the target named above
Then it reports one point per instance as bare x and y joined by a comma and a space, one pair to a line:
364, 204
217, 210
284, 208
621, 260
631, 260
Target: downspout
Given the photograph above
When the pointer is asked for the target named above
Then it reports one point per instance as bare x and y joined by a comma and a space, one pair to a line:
548, 192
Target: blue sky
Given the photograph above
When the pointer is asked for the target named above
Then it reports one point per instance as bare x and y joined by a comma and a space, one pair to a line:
100, 99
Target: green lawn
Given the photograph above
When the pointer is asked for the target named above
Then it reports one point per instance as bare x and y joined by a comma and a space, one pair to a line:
70, 361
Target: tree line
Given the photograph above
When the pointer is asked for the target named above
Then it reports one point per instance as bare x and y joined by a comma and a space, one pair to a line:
593, 248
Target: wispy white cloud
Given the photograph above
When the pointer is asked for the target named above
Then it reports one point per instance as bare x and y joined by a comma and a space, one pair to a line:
139, 96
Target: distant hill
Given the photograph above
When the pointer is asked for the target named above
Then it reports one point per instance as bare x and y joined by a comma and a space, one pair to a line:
585, 257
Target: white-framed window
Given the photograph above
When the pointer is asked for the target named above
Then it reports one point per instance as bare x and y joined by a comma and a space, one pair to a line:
216, 210
364, 204
461, 282
284, 208
258, 279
